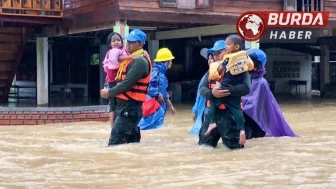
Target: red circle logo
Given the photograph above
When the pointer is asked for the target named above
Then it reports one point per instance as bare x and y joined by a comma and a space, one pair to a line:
250, 27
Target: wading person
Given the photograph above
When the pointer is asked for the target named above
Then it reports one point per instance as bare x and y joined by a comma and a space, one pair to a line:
215, 54
230, 73
226, 126
111, 64
158, 90
133, 78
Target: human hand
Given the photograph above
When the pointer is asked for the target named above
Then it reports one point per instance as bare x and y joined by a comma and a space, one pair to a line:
218, 85
220, 93
105, 93
160, 98
194, 117
145, 54
172, 109
210, 59
135, 56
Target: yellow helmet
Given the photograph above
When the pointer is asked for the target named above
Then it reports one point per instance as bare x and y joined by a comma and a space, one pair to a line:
164, 54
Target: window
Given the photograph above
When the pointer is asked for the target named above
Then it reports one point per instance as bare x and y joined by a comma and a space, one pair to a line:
26, 70
309, 5
303, 5
286, 69
70, 63
94, 59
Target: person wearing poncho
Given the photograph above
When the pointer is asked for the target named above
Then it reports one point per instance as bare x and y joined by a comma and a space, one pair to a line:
158, 89
263, 116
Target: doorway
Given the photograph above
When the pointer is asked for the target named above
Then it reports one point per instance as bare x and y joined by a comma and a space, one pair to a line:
93, 78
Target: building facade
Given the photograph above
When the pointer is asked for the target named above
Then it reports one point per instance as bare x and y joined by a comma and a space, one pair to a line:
53, 49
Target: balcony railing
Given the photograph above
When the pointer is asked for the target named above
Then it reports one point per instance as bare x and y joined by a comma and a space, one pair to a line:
33, 8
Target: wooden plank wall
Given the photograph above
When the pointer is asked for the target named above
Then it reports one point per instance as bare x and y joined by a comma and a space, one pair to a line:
72, 7
219, 6
241, 6
88, 15
222, 11
91, 12
73, 4
330, 5
146, 4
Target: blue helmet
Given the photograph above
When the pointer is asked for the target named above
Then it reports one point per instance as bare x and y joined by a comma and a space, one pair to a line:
257, 55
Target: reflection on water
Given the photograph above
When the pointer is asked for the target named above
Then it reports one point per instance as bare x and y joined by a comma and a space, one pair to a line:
75, 156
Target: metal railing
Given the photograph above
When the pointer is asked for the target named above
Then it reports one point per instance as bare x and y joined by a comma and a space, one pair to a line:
33, 8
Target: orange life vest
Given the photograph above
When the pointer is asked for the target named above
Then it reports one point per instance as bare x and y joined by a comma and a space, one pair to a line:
139, 90
212, 84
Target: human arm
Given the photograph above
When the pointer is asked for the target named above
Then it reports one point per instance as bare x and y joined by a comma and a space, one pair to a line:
198, 96
204, 90
153, 88
243, 88
210, 59
194, 109
145, 54
137, 70
106, 61
127, 57
209, 94
112, 58
170, 106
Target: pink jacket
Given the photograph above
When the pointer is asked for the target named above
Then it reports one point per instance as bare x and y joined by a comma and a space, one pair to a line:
111, 60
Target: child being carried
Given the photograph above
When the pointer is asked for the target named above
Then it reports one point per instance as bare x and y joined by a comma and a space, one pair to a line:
228, 73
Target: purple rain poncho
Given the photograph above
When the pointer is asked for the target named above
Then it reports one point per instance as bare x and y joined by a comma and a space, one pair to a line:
260, 104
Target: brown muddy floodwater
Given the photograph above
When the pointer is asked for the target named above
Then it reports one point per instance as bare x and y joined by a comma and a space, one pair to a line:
76, 156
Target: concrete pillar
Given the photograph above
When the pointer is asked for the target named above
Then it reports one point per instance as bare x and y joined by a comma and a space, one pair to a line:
122, 28
153, 47
252, 45
42, 83
324, 68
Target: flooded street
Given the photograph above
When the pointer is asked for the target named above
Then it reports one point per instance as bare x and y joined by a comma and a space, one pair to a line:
76, 156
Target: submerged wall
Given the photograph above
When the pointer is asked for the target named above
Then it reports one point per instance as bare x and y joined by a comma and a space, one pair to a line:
40, 115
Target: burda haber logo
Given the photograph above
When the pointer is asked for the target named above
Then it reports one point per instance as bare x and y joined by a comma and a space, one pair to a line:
252, 26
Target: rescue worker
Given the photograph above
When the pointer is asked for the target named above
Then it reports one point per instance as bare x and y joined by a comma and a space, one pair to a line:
130, 92
216, 53
158, 89
228, 73
226, 126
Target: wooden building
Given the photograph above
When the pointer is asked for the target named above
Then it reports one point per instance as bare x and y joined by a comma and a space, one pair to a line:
67, 37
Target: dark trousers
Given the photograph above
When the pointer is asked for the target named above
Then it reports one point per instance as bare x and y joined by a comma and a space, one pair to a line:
226, 129
125, 129
233, 105
252, 129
